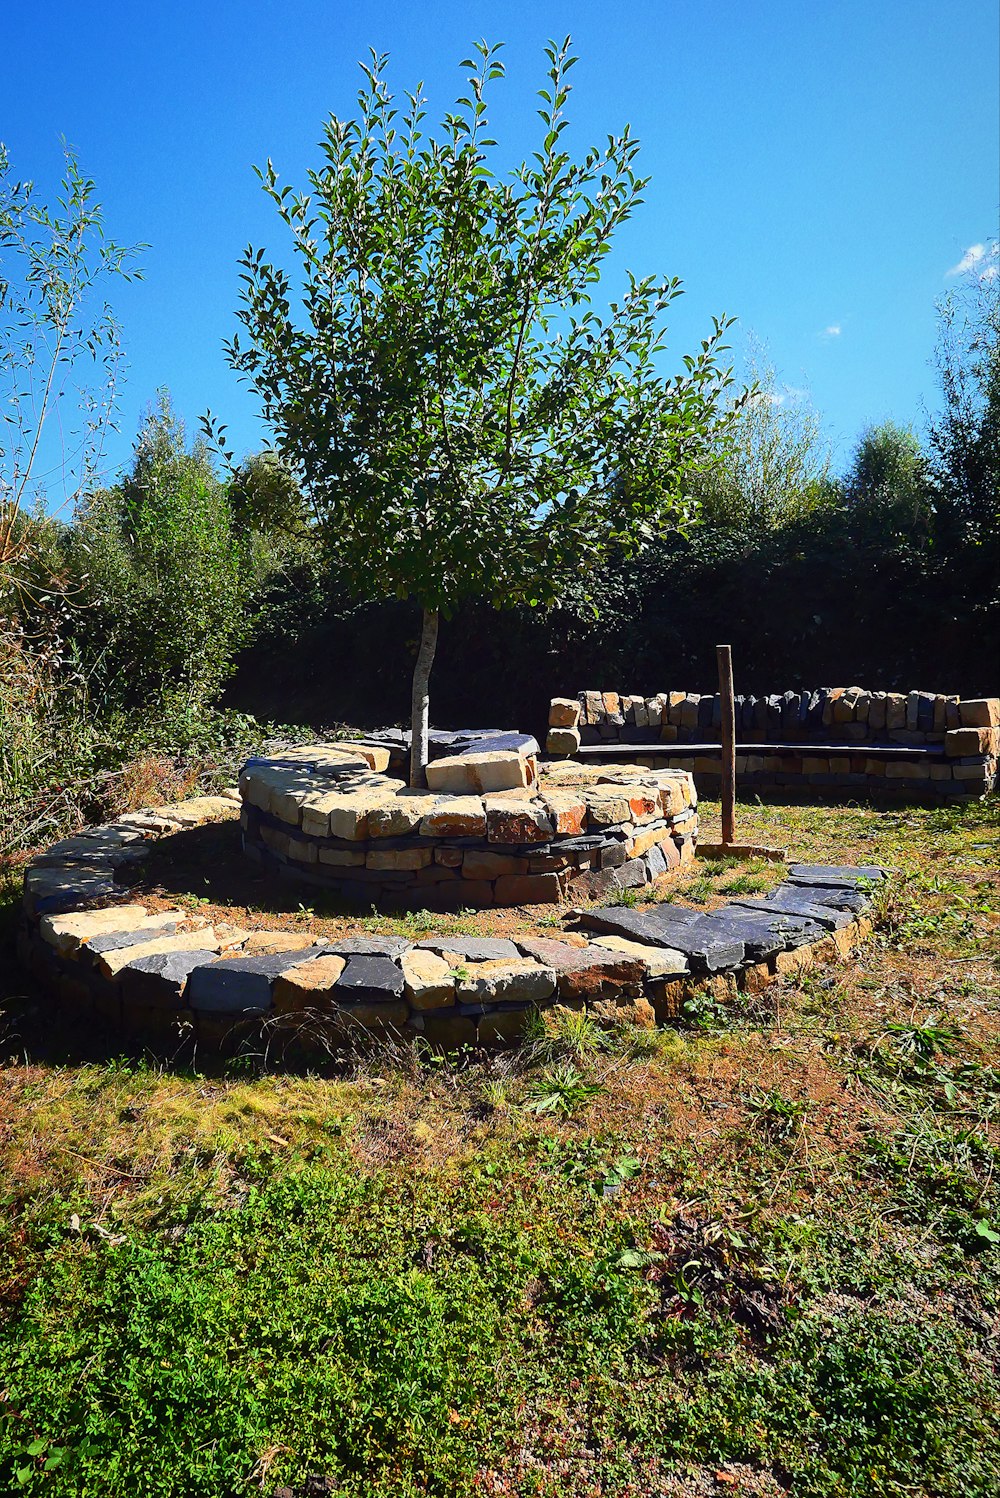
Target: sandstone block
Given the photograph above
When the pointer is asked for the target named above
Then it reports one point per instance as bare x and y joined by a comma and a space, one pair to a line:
611, 703
342, 858
402, 815
456, 816
483, 864
895, 710
430, 981
527, 889
961, 742
564, 712
558, 741
518, 980
566, 810
374, 755
465, 774
402, 859
585, 973
593, 708
66, 932
605, 809
445, 1031
517, 821
658, 962
642, 841
503, 1026
307, 985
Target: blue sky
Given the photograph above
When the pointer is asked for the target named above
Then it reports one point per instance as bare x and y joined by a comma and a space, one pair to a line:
818, 166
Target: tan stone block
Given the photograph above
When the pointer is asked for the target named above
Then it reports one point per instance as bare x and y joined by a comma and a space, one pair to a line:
374, 755
564, 712
756, 978
196, 811
111, 963
449, 858
964, 742
484, 864
612, 702
66, 933
275, 839
952, 715
658, 962
842, 709
706, 764
465, 774
301, 851
430, 981
593, 708
515, 980
607, 810
402, 815
455, 816
876, 713
380, 1021
403, 860
940, 771
689, 710
875, 767
642, 841
315, 812
348, 812
905, 769
786, 964
342, 858
668, 733
559, 741
980, 712
644, 803
840, 764
527, 889
981, 771
895, 710
268, 943
523, 821
566, 809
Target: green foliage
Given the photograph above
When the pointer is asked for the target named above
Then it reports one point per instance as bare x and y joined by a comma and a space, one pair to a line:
772, 463
887, 485
463, 420
168, 581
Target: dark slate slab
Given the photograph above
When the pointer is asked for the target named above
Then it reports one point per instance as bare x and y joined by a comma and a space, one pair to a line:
160, 979
842, 875
708, 947
765, 933
795, 899
370, 980
241, 985
655, 861
474, 948
114, 941
368, 946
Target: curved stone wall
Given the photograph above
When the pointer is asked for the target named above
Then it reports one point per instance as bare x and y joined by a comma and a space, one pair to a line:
167, 975
493, 828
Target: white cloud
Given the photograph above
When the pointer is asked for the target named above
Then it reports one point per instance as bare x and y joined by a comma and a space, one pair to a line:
833, 331
980, 259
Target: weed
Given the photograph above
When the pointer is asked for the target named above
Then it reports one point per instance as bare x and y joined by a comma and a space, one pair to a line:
560, 1090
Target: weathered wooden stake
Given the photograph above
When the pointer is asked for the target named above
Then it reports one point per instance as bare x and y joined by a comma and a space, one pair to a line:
724, 656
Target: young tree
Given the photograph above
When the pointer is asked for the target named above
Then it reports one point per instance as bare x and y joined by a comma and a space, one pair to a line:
463, 421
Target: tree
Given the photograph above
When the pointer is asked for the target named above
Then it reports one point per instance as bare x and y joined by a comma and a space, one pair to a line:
773, 462
54, 265
965, 435
464, 423
886, 488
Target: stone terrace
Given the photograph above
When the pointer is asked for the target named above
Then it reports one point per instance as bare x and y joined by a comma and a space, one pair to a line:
492, 828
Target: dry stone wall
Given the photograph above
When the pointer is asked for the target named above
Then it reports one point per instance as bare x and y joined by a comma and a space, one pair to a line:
170, 976
492, 828
842, 738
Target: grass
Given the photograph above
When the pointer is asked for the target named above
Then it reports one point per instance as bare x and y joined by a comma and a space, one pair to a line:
757, 1253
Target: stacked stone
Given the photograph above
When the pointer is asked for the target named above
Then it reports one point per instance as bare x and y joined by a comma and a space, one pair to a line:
488, 830
964, 733
169, 975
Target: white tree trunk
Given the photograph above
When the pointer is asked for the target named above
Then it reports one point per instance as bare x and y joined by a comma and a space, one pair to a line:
420, 700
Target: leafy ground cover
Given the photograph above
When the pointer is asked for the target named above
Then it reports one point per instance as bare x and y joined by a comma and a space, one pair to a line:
756, 1253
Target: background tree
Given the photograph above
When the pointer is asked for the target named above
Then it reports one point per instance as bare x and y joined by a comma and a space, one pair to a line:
463, 421
887, 488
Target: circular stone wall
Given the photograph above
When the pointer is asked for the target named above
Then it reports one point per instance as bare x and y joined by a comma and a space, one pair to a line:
492, 828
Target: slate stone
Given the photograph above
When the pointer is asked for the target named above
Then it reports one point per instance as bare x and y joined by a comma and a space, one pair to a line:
842, 875
613, 856
242, 985
158, 980
766, 933
708, 947
370, 980
474, 948
796, 899
114, 941
59, 890
705, 712
655, 861
368, 946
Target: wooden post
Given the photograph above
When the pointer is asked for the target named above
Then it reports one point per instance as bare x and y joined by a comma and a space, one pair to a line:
724, 656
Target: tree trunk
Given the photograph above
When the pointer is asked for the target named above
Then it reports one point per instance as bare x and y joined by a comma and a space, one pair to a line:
420, 699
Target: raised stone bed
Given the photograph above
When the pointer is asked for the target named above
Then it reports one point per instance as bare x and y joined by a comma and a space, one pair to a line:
98, 948
492, 828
